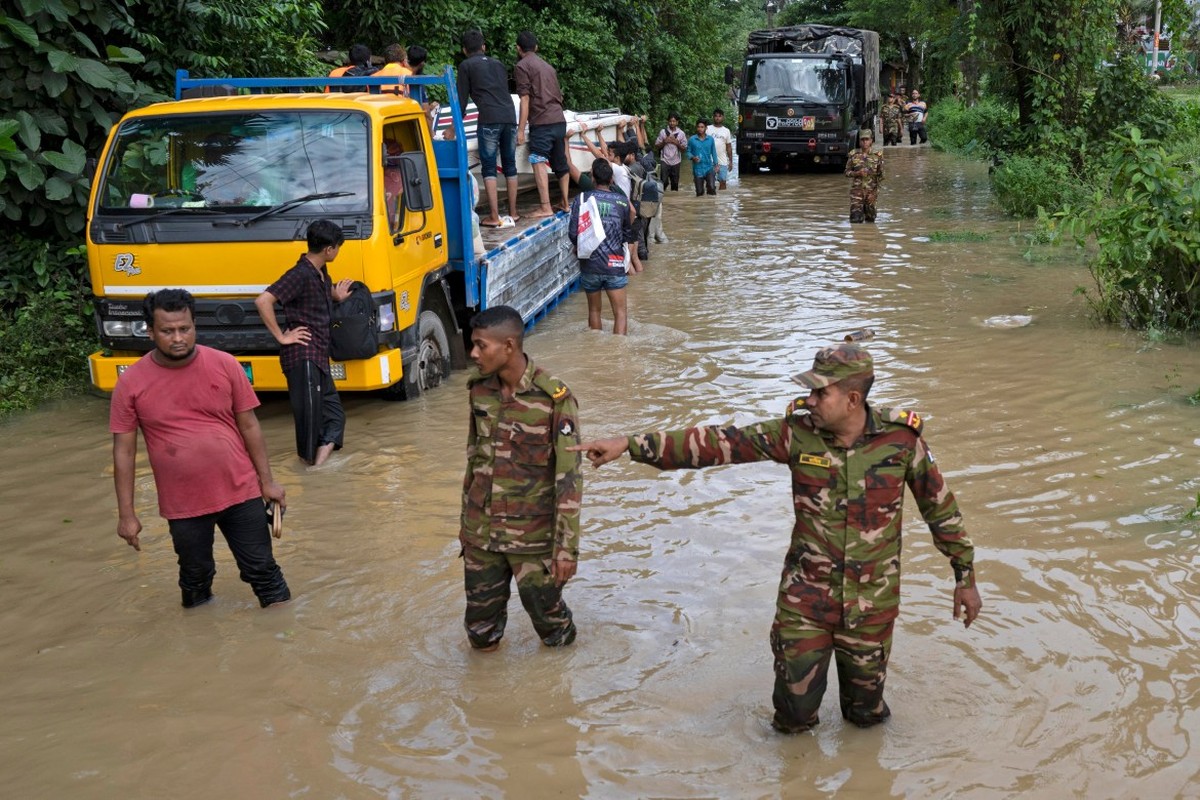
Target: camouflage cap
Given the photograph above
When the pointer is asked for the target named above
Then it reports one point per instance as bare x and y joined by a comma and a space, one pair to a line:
866, 133
836, 363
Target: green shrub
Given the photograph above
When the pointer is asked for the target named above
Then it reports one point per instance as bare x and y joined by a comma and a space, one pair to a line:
1024, 183
1147, 266
46, 325
981, 130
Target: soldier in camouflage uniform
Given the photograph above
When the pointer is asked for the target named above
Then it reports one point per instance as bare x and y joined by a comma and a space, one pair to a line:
865, 168
891, 116
839, 594
522, 490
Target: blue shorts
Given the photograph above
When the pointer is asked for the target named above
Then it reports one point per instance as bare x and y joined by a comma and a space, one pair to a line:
723, 174
546, 144
497, 140
594, 283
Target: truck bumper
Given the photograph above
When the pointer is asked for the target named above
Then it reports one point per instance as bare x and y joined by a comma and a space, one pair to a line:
810, 150
264, 373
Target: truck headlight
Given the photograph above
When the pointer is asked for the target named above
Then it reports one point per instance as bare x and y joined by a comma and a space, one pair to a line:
387, 317
124, 327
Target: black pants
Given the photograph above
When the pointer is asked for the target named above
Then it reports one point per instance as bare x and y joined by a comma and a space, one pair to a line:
916, 129
316, 408
670, 176
707, 182
245, 529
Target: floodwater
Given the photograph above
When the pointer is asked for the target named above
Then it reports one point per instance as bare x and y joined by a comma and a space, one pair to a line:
1071, 447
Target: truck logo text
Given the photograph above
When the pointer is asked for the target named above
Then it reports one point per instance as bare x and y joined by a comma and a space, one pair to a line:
124, 263
803, 123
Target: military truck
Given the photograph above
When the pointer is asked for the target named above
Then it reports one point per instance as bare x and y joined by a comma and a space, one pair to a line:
214, 194
806, 91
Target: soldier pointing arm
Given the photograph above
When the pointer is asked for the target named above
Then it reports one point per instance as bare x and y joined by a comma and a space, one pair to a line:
840, 591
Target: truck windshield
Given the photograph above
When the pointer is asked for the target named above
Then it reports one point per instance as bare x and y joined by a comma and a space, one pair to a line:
795, 80
239, 161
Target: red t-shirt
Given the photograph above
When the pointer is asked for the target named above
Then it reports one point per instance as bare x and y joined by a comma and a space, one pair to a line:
187, 416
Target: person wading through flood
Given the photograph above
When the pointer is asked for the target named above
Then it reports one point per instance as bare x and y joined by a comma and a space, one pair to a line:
839, 595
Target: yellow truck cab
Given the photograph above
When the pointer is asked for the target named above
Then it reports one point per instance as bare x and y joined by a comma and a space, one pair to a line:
214, 194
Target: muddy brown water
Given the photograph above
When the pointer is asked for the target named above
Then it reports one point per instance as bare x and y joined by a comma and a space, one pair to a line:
1070, 446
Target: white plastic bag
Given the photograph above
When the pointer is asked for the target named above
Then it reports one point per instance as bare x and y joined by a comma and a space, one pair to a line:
590, 233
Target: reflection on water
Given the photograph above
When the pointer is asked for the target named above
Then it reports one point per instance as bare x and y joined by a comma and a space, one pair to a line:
1070, 446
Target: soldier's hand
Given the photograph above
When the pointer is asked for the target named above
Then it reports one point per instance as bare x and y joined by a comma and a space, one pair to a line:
562, 569
602, 451
967, 604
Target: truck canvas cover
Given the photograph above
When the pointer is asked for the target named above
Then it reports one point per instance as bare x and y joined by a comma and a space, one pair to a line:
821, 40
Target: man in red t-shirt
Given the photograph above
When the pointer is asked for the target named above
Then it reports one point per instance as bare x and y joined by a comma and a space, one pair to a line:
195, 407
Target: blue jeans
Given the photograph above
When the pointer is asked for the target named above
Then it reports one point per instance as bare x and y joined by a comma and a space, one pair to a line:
244, 526
591, 282
497, 140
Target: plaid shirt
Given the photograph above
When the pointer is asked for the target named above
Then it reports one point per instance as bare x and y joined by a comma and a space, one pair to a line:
306, 294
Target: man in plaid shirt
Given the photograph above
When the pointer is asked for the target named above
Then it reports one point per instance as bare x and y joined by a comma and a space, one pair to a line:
307, 296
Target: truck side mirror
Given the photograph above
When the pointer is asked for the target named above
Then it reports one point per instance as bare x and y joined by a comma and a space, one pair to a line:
418, 193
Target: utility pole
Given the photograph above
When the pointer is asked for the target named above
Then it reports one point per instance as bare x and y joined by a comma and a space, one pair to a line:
771, 7
1157, 26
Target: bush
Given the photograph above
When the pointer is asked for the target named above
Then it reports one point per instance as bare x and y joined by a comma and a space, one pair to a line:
46, 325
981, 130
1024, 183
1147, 268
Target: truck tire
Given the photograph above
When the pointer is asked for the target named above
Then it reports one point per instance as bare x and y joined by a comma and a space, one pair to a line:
431, 365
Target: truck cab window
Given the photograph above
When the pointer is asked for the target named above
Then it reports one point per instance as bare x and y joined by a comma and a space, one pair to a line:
238, 161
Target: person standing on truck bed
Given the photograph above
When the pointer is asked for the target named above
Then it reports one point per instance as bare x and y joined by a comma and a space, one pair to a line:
702, 150
542, 109
522, 490
395, 65
484, 80
359, 67
864, 166
307, 295
195, 407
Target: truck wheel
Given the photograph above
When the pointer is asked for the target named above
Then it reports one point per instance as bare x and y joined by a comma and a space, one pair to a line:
431, 365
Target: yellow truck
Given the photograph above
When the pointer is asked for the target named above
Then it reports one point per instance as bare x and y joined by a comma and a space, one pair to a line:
213, 192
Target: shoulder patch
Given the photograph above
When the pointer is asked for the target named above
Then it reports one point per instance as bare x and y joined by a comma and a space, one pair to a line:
909, 419
551, 386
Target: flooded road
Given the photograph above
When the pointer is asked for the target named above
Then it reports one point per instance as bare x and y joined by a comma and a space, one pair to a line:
1070, 446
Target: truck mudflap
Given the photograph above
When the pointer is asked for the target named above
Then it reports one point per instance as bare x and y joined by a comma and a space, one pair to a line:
533, 271
264, 373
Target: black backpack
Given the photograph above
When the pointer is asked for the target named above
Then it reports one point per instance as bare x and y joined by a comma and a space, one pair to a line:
358, 72
354, 332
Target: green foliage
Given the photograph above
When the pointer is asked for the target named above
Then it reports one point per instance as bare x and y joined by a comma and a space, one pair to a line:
979, 131
1125, 96
644, 56
46, 327
959, 236
233, 38
1147, 266
1024, 183
74, 61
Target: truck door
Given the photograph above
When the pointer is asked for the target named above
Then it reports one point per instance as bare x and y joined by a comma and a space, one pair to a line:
417, 240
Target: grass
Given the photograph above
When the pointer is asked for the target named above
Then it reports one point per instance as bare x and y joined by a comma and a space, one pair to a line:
959, 236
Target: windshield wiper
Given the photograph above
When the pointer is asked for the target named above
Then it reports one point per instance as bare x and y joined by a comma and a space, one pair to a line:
288, 204
162, 212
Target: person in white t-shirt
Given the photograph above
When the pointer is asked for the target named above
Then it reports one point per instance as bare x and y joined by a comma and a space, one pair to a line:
723, 139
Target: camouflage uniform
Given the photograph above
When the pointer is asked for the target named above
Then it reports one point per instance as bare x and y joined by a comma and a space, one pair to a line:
521, 498
891, 116
864, 192
840, 589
